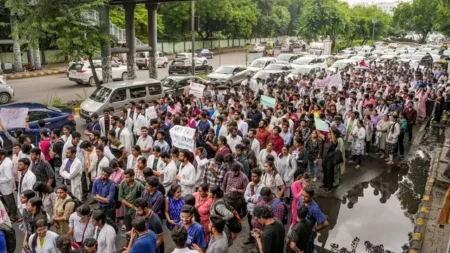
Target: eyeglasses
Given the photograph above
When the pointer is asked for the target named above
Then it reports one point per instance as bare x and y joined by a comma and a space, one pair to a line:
185, 217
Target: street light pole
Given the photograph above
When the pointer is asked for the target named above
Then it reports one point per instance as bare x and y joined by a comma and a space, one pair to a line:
193, 35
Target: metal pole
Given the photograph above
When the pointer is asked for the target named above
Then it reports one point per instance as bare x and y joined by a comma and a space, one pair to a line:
193, 35
373, 31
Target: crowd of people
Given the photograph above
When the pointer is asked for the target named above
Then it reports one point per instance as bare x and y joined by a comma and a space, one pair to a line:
77, 191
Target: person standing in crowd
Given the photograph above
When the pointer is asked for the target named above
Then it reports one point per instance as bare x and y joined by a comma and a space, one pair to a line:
104, 232
393, 133
179, 237
196, 236
71, 171
233, 186
145, 142
103, 191
272, 180
146, 239
358, 143
299, 235
152, 221
186, 173
271, 240
154, 197
47, 195
27, 178
43, 241
80, 225
169, 172
251, 196
129, 190
7, 185
314, 147
64, 207
216, 171
203, 203
41, 168
173, 205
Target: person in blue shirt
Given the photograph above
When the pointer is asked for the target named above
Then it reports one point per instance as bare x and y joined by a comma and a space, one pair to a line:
145, 239
196, 235
315, 215
103, 191
2, 242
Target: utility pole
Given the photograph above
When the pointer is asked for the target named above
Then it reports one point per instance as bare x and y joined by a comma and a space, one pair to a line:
373, 30
193, 35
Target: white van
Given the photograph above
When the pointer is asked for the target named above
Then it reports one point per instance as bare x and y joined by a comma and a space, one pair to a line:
142, 60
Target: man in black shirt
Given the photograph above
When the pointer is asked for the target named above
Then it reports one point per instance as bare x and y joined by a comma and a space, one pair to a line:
152, 221
272, 239
56, 155
41, 168
300, 234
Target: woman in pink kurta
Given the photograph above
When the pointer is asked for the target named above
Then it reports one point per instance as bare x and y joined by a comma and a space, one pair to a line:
117, 177
203, 204
421, 95
297, 187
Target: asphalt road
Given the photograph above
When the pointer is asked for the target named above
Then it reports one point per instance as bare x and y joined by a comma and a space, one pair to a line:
48, 88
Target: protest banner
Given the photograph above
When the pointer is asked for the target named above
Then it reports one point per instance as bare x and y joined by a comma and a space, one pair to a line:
13, 117
321, 125
268, 101
150, 113
183, 137
196, 89
321, 83
335, 80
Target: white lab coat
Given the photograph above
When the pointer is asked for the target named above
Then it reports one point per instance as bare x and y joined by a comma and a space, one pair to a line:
134, 114
94, 170
29, 179
159, 167
103, 131
138, 123
169, 174
188, 177
130, 162
222, 132
7, 184
126, 138
74, 175
49, 243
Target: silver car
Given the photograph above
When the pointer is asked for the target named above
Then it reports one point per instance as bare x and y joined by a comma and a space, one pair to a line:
6, 92
228, 75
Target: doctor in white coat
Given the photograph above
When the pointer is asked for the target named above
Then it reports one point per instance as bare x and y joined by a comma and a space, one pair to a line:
49, 237
26, 178
186, 177
124, 135
156, 156
71, 171
103, 128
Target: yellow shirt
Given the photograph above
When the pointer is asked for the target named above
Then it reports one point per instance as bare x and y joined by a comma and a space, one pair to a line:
41, 241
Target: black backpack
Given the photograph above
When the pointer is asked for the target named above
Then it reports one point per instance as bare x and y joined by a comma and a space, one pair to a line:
10, 237
75, 201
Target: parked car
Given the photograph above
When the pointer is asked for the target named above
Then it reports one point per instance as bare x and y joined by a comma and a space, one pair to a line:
421, 59
265, 74
287, 58
261, 63
6, 91
302, 70
184, 66
189, 56
55, 118
171, 83
256, 48
119, 95
142, 60
205, 53
287, 48
342, 65
279, 66
229, 75
310, 60
82, 73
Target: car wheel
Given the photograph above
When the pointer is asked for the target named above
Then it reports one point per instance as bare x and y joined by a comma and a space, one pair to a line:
165, 65
124, 76
4, 98
139, 67
91, 81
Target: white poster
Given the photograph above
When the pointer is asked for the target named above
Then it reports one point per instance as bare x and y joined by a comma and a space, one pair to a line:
196, 89
183, 137
13, 117
320, 83
150, 113
335, 80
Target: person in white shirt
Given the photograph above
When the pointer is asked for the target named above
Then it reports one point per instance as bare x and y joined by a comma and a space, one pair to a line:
104, 232
155, 162
242, 125
26, 177
43, 241
128, 121
233, 139
145, 142
169, 172
219, 128
186, 173
71, 170
98, 161
133, 157
7, 184
139, 122
249, 82
124, 135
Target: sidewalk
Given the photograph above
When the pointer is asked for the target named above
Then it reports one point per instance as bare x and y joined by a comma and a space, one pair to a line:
428, 236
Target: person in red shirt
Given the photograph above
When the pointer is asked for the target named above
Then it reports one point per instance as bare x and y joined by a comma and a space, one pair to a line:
276, 139
262, 134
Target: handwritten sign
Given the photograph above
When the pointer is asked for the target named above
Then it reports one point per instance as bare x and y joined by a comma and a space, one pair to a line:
335, 80
268, 101
150, 113
183, 137
196, 89
13, 117
321, 83
321, 125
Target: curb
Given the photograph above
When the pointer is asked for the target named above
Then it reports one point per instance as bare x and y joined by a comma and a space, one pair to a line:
33, 74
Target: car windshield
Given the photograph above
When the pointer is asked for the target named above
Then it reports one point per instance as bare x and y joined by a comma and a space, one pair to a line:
140, 55
302, 61
168, 82
417, 57
340, 65
275, 67
283, 57
300, 71
224, 70
258, 64
101, 94
76, 66
181, 63
262, 75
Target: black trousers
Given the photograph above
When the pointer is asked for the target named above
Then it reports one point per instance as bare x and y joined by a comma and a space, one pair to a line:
10, 205
127, 218
410, 132
328, 174
84, 187
401, 145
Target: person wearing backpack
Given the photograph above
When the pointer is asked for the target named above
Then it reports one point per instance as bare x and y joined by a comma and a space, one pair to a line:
64, 207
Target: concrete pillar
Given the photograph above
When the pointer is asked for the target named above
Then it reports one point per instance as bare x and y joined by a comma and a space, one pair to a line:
37, 58
130, 38
152, 39
17, 64
103, 12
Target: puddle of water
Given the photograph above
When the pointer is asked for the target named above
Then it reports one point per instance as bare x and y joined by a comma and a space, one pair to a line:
378, 216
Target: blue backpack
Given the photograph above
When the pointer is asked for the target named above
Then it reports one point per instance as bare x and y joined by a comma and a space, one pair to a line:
275, 203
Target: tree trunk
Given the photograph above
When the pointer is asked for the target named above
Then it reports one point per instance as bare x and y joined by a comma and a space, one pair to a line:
423, 39
106, 70
153, 73
17, 65
94, 73
37, 58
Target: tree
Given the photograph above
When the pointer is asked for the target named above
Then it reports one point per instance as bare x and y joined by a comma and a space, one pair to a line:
419, 16
176, 18
244, 16
76, 36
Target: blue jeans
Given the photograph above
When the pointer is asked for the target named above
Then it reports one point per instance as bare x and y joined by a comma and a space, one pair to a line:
313, 168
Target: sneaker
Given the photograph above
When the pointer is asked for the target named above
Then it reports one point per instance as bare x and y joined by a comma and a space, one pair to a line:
124, 228
314, 179
357, 166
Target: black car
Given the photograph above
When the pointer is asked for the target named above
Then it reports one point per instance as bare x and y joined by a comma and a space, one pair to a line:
184, 66
171, 83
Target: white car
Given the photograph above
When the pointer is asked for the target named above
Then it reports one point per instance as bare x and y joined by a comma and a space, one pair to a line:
256, 48
310, 60
189, 56
142, 60
286, 48
6, 91
82, 74
342, 65
302, 70
260, 63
